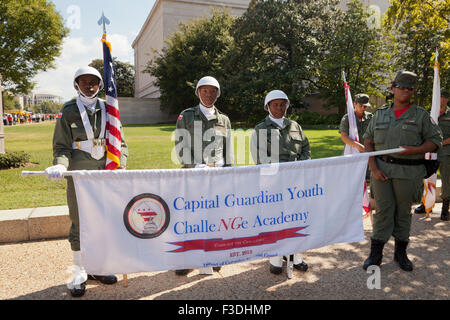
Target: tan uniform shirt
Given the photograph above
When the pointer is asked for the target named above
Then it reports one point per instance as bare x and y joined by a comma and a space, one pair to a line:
360, 123
202, 141
69, 128
412, 128
444, 125
293, 144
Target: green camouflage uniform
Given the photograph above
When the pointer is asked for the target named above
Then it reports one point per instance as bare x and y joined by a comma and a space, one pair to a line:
360, 123
444, 155
69, 128
394, 197
213, 137
293, 144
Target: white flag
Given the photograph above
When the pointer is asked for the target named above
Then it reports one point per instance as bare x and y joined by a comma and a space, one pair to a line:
429, 196
353, 134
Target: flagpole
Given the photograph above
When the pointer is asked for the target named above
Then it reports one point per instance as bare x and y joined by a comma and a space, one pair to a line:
104, 21
429, 196
78, 172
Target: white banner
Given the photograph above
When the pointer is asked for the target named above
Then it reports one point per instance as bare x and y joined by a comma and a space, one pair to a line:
138, 221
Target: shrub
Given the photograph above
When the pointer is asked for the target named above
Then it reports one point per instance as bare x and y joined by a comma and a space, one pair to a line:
13, 160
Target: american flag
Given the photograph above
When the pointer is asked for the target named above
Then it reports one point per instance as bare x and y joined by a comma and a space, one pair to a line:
113, 139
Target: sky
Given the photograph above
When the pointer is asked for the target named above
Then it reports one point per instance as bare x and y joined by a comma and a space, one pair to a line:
83, 44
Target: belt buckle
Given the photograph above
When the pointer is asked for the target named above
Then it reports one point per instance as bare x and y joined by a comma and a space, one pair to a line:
98, 142
78, 145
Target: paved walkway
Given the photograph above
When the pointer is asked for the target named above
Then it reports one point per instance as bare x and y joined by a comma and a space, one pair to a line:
31, 270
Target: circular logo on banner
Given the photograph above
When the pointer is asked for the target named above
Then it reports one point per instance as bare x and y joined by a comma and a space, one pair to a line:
146, 216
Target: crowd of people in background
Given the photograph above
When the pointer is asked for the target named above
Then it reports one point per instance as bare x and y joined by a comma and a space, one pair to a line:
10, 119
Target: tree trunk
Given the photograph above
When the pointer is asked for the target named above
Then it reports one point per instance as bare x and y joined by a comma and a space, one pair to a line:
2, 129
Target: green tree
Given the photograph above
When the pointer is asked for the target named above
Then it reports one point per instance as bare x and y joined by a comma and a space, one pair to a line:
278, 45
31, 36
358, 47
419, 28
47, 107
9, 103
196, 50
124, 76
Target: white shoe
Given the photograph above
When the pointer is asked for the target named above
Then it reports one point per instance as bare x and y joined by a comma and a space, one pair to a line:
79, 275
206, 270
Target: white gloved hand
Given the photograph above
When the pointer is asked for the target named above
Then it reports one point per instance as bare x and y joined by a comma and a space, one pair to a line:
220, 163
55, 172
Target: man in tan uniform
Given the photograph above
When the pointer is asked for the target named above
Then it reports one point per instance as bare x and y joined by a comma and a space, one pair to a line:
396, 180
444, 154
363, 117
203, 137
292, 144
74, 150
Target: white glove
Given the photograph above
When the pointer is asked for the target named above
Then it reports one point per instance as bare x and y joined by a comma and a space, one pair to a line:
220, 163
201, 165
55, 172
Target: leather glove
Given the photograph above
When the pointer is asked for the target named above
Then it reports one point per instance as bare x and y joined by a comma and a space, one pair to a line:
55, 172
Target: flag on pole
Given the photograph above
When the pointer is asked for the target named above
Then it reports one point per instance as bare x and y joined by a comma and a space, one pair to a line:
353, 134
113, 139
429, 196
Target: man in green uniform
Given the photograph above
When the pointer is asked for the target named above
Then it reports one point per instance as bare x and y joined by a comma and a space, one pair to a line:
396, 180
278, 139
363, 117
203, 137
78, 144
443, 156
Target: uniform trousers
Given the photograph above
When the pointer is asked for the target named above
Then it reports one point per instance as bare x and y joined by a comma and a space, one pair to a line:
74, 233
444, 168
393, 200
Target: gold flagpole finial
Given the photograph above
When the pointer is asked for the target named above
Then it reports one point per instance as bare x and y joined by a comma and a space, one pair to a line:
436, 61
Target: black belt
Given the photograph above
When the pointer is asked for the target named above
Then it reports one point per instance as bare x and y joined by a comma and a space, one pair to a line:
406, 162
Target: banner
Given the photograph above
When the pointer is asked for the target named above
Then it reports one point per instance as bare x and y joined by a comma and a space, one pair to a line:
138, 221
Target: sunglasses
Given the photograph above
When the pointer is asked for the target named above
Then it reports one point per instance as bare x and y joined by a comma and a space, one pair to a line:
404, 88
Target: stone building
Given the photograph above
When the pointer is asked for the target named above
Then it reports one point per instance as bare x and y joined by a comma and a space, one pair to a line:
164, 19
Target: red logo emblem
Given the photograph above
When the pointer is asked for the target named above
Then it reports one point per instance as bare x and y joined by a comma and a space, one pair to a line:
146, 216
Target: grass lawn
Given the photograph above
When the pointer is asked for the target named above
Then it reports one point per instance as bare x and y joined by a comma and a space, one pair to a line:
150, 147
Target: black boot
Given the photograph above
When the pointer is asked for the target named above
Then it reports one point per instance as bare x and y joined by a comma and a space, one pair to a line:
376, 254
420, 209
78, 290
400, 255
444, 212
182, 272
111, 279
